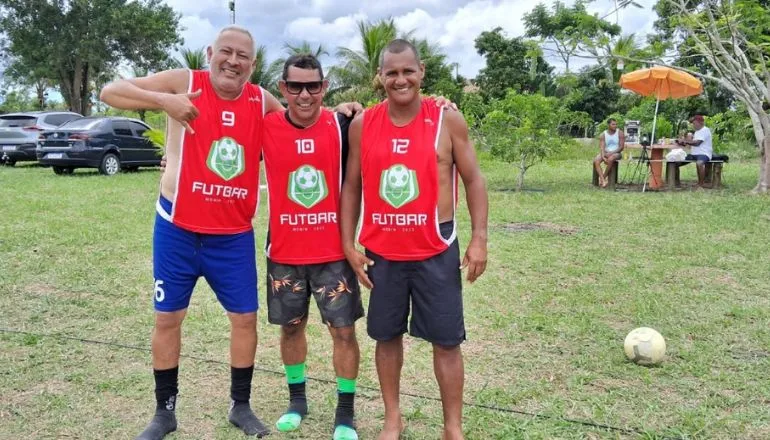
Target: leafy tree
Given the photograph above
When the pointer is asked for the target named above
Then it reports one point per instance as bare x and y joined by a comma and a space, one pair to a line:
569, 29
15, 101
732, 38
73, 42
524, 129
510, 64
593, 94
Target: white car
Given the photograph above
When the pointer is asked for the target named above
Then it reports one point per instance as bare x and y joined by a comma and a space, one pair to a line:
19, 133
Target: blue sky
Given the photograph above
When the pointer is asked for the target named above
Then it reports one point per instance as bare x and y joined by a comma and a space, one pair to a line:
452, 24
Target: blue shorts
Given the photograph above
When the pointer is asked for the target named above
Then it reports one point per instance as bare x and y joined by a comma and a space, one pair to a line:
697, 158
180, 257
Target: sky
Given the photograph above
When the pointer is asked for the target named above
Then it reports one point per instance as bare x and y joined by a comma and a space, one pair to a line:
452, 24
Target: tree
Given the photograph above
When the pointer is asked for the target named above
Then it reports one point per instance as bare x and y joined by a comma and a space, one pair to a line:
593, 93
306, 48
75, 41
510, 64
193, 59
732, 36
569, 29
439, 79
358, 72
524, 129
266, 74
15, 101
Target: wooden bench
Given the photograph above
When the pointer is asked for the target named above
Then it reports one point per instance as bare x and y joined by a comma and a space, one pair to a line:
713, 171
613, 177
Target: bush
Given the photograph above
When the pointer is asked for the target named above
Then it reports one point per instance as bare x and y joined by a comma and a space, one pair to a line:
524, 129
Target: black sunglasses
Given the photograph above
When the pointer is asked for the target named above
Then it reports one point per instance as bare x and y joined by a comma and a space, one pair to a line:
312, 87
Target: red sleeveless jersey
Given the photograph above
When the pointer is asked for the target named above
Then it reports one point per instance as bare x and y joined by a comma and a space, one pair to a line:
217, 187
304, 173
399, 175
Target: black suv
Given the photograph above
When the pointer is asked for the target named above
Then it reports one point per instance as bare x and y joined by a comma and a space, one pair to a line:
107, 143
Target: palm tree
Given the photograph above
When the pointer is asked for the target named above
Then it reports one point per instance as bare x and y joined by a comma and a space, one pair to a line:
624, 47
358, 72
266, 74
305, 47
194, 59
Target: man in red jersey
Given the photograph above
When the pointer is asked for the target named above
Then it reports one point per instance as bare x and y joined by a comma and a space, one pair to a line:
304, 150
404, 157
208, 197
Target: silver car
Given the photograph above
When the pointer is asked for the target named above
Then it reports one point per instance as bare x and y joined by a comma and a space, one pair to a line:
19, 133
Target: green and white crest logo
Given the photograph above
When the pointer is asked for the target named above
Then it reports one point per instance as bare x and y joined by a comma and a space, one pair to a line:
398, 185
307, 186
226, 158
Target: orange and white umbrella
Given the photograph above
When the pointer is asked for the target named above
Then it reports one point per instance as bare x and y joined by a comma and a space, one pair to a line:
663, 83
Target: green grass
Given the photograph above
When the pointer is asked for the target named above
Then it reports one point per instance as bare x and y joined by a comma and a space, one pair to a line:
545, 323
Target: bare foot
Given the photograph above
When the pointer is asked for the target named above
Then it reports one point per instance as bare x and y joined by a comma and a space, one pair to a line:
452, 434
605, 182
392, 429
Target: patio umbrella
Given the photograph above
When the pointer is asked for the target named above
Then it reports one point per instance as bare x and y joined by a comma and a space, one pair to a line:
663, 83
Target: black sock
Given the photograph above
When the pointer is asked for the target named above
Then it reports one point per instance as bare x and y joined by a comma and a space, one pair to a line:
242, 416
240, 384
297, 399
166, 388
345, 412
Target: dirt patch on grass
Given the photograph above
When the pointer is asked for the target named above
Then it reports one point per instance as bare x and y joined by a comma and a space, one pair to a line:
540, 226
40, 290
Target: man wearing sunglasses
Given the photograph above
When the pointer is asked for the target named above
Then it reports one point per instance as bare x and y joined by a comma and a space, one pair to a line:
304, 151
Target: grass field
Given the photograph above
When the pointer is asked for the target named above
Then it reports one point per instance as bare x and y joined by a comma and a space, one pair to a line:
571, 270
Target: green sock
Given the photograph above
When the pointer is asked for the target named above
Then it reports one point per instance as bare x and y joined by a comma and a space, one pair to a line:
346, 385
295, 377
344, 416
295, 373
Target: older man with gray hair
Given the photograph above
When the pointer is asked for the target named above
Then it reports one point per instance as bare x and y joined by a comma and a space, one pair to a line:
208, 197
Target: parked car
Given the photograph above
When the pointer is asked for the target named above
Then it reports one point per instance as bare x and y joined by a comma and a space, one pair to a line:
107, 143
19, 133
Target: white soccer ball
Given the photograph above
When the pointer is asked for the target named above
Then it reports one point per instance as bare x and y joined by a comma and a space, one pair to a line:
228, 149
306, 177
645, 346
398, 176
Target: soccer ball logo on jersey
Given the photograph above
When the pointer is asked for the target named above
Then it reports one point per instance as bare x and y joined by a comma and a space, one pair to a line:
226, 158
398, 186
307, 186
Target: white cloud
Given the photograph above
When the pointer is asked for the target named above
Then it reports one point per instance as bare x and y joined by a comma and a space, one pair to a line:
199, 32
453, 24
